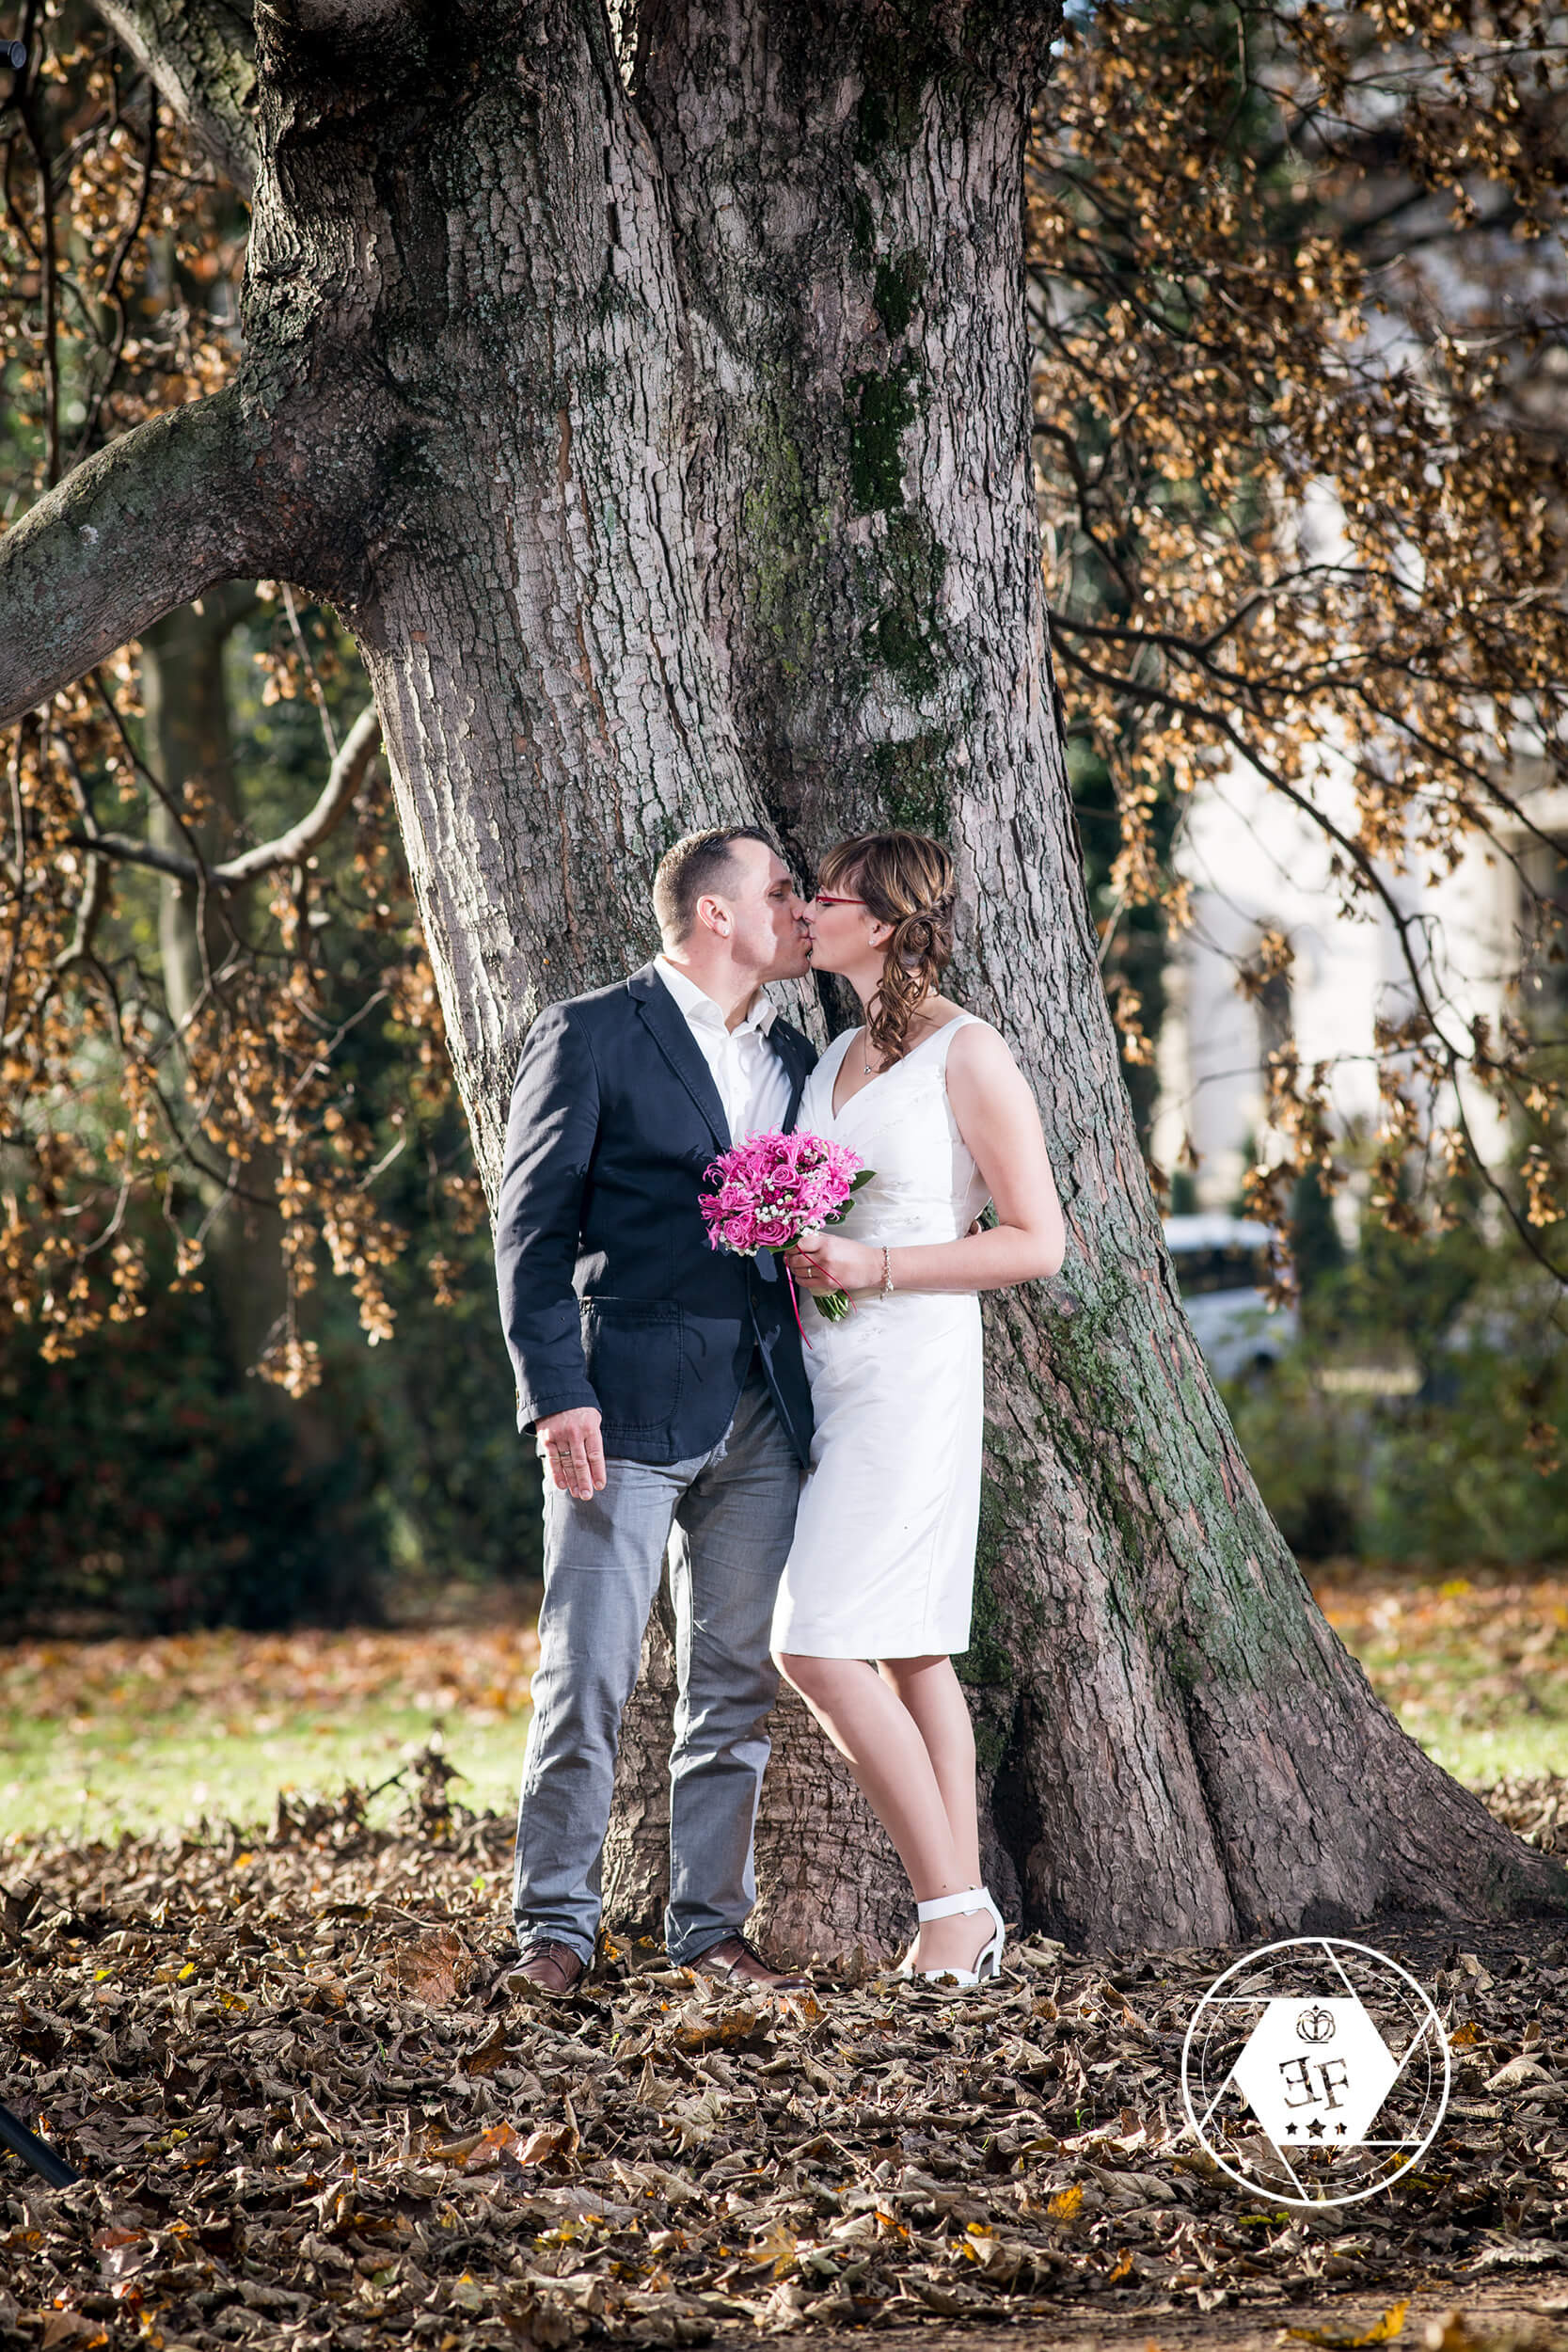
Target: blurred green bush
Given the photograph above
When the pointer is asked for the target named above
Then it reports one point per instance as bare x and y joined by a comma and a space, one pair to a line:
146, 1487
1417, 1418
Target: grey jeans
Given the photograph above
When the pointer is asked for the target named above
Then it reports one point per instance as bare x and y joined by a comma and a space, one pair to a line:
733, 1512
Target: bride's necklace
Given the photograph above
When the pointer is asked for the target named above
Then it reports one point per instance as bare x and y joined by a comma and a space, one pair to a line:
865, 1066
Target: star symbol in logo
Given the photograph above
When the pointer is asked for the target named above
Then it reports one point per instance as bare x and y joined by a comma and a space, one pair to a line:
1315, 2128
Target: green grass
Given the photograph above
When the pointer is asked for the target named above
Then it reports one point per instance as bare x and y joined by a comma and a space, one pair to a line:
184, 1766
96, 1738
1523, 1751
1475, 1667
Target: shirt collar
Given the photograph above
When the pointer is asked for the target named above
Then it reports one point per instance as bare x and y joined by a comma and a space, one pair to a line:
698, 1005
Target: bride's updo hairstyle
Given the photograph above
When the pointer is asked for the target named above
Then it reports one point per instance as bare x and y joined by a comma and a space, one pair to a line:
905, 879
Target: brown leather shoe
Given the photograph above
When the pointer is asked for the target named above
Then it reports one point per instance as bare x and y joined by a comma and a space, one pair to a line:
734, 1961
549, 1967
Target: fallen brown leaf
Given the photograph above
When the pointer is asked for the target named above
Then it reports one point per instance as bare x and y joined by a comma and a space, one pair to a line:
434, 1968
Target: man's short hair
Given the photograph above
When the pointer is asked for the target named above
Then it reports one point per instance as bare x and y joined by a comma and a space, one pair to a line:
699, 862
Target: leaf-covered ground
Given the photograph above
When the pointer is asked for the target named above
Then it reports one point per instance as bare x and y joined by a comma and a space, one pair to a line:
312, 2114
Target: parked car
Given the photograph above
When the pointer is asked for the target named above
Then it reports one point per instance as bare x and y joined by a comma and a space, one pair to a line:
1221, 1269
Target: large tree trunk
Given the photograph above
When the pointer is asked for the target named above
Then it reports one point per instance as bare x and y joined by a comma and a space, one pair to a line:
669, 452
1174, 1745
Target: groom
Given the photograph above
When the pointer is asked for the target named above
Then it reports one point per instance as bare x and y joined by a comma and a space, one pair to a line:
663, 1382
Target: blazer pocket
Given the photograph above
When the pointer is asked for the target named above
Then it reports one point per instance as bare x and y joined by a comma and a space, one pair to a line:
632, 1348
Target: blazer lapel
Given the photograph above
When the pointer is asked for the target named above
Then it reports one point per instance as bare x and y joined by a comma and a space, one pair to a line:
798, 1059
673, 1037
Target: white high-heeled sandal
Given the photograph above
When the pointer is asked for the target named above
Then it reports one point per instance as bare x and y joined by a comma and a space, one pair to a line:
905, 1966
988, 1961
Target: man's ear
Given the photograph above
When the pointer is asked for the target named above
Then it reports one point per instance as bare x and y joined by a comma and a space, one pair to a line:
714, 916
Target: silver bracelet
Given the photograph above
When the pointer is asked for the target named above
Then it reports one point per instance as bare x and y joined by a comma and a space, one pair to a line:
887, 1272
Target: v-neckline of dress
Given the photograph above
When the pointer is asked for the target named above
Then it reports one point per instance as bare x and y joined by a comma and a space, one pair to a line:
835, 1114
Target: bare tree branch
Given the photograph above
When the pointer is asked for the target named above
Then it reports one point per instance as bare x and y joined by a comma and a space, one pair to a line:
360, 748
147, 524
200, 55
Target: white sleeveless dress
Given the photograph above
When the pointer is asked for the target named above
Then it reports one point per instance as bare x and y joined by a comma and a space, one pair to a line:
883, 1564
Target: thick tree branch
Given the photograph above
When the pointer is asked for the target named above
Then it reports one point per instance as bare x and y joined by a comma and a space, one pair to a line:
360, 748
147, 524
342, 21
200, 54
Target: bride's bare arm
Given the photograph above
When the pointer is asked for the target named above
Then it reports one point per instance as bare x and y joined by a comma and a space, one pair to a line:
1000, 1122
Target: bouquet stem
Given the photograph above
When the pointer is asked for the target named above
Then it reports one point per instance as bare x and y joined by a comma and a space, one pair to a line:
832, 1305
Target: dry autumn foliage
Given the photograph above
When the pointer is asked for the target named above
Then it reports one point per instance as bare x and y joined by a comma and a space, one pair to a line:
1252, 313
1299, 402
309, 2110
478, 1672
119, 259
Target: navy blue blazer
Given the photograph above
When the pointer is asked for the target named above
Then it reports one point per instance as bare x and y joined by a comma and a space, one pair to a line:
609, 1294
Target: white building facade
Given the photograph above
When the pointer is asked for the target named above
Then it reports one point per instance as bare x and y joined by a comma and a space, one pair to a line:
1255, 863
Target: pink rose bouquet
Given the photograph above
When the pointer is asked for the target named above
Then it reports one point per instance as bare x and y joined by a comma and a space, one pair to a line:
770, 1189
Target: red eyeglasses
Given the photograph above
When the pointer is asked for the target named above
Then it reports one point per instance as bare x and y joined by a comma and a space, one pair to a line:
831, 898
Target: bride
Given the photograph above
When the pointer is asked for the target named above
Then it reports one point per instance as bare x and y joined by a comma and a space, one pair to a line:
883, 1564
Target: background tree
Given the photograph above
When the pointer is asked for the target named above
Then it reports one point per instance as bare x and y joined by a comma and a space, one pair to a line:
1296, 302
656, 416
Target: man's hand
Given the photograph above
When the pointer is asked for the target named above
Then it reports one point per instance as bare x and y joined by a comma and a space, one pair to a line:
573, 1451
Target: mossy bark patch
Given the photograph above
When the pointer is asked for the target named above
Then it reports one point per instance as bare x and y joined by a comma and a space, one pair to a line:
896, 291
913, 785
881, 409
904, 578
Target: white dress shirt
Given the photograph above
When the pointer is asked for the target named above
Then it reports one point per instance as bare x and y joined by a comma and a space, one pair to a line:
753, 1082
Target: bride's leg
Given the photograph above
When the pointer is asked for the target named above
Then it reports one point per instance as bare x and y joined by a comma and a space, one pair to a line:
879, 1739
874, 1732
931, 1694
934, 1697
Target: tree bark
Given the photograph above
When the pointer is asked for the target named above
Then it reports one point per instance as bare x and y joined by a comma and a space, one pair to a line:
142, 526
1173, 1746
185, 711
200, 54
669, 452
